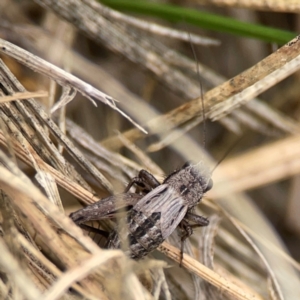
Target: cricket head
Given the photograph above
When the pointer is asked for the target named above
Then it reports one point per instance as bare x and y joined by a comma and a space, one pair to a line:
191, 182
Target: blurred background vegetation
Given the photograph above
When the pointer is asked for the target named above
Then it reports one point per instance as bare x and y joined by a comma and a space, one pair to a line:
234, 40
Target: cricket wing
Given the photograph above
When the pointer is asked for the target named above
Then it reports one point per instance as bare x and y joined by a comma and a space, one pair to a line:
168, 203
173, 215
105, 208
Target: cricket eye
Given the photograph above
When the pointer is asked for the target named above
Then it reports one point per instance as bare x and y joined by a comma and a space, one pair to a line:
209, 185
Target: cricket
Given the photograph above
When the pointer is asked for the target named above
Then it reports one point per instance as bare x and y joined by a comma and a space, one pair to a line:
153, 215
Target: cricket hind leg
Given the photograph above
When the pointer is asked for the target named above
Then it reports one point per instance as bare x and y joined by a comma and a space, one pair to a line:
187, 228
145, 180
99, 236
95, 230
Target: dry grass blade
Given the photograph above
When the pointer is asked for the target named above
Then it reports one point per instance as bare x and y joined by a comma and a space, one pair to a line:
258, 167
97, 153
226, 97
66, 97
60, 76
73, 187
270, 78
78, 273
25, 95
273, 278
47, 181
17, 275
46, 267
212, 277
39, 65
239, 206
36, 116
292, 6
272, 247
143, 158
11, 182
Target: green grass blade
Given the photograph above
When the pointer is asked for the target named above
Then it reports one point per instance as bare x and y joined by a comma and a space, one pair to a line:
205, 20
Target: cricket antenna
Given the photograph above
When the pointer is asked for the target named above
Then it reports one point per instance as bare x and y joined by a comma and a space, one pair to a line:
201, 91
227, 152
203, 110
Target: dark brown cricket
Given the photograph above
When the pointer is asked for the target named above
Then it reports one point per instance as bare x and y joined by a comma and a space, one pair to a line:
154, 216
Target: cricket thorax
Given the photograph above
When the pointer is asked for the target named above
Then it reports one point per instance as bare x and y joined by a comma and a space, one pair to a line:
191, 183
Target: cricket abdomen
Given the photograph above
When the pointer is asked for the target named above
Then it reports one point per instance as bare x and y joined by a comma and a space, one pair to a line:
145, 230
144, 234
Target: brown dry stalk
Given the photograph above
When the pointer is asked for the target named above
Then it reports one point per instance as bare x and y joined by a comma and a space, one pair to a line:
257, 167
226, 97
209, 275
25, 95
60, 76
79, 272
65, 182
292, 6
11, 267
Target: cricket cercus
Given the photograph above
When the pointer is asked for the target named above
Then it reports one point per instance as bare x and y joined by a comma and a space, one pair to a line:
153, 215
